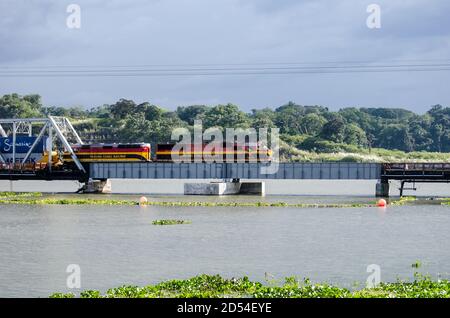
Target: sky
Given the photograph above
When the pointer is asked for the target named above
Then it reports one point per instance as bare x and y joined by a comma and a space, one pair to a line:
219, 33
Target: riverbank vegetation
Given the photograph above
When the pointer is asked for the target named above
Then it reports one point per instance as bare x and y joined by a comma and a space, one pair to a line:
308, 133
206, 286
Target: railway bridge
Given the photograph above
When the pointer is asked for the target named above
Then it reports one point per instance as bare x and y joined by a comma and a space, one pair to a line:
405, 173
249, 175
230, 177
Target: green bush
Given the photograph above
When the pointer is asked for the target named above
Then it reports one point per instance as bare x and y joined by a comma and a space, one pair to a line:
214, 286
319, 145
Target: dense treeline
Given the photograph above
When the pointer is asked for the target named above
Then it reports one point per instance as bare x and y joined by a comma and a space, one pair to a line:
311, 128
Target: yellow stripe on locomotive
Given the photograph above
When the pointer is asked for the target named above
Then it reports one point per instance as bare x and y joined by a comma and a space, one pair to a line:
110, 153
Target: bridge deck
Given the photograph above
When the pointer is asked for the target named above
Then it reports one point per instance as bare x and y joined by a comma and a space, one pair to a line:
427, 172
431, 172
150, 170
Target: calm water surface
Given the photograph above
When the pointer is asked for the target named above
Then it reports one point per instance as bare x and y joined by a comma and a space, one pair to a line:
118, 245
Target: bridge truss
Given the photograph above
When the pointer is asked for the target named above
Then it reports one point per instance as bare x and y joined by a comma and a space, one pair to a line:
57, 129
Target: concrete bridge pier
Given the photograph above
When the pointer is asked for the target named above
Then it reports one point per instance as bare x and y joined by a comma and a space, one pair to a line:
382, 188
96, 186
234, 187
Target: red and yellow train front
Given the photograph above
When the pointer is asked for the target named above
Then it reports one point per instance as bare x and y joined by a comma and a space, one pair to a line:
110, 153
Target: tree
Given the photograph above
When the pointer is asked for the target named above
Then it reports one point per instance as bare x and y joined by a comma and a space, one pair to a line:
389, 113
191, 113
362, 119
312, 123
16, 106
135, 128
103, 111
287, 118
333, 130
420, 129
440, 125
152, 112
123, 108
354, 135
262, 118
396, 137
55, 111
226, 116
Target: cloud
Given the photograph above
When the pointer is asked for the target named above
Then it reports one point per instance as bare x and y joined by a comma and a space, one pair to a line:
222, 32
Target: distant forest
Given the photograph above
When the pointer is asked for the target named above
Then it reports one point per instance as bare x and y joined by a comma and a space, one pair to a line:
307, 128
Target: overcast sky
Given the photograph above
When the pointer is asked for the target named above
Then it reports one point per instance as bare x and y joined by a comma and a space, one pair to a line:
184, 32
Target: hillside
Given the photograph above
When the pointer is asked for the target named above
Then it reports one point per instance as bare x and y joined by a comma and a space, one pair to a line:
308, 133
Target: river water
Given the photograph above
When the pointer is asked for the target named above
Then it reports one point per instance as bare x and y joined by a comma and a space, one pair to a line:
116, 245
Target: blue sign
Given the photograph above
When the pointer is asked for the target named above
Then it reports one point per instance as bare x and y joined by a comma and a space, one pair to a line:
23, 145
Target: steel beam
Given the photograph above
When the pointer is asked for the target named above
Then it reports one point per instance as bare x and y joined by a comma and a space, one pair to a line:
50, 147
3, 132
14, 142
39, 137
18, 120
66, 144
74, 132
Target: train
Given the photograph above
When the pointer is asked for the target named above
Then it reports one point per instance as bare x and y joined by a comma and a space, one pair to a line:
170, 152
109, 153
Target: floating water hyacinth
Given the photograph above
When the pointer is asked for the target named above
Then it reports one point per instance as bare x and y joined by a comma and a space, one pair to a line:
208, 286
33, 198
171, 222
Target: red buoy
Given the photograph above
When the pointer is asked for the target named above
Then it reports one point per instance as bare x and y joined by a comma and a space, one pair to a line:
382, 203
143, 201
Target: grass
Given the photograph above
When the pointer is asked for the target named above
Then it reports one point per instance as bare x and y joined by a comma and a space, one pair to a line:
207, 286
170, 222
379, 155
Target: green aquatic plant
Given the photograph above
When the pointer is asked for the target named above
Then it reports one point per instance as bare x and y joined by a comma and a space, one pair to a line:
416, 264
68, 295
215, 286
170, 222
8, 194
257, 204
64, 201
403, 200
36, 199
